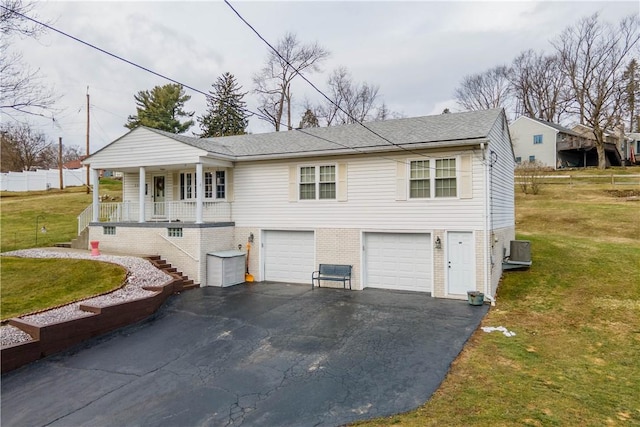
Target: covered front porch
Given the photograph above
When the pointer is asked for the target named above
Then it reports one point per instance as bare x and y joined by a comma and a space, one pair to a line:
197, 194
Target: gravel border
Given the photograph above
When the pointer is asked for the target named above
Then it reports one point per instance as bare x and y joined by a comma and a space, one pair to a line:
141, 273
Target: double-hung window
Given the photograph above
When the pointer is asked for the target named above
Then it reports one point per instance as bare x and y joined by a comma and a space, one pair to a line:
537, 139
420, 181
214, 185
317, 182
433, 178
446, 178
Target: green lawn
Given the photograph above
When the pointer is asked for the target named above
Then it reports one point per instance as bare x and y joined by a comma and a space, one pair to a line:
22, 215
576, 313
30, 285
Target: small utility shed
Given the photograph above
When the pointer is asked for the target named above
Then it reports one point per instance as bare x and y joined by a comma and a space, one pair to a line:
423, 204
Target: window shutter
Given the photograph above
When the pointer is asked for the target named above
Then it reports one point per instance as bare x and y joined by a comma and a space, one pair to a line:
176, 186
228, 178
466, 177
293, 183
401, 180
342, 182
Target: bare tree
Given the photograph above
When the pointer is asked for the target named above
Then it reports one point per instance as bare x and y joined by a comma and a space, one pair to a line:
631, 77
273, 82
592, 56
23, 148
21, 87
490, 89
539, 86
350, 102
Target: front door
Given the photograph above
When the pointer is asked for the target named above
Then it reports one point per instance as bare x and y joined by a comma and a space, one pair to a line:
460, 263
158, 196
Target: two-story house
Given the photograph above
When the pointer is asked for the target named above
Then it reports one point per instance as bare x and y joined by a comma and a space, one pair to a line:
555, 146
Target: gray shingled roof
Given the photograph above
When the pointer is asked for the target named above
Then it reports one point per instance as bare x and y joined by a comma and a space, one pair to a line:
557, 127
453, 127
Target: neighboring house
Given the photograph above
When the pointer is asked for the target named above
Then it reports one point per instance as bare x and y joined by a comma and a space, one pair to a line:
423, 204
556, 146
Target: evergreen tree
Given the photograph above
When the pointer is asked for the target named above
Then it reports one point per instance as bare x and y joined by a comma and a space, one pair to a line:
161, 108
226, 114
309, 120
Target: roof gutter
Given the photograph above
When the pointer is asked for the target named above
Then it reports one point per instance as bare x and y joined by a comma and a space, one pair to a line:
398, 148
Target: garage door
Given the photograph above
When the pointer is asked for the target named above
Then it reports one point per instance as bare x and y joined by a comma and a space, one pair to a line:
398, 261
289, 256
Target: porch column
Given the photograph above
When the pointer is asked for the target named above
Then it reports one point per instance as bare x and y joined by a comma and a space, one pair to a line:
95, 176
143, 179
199, 192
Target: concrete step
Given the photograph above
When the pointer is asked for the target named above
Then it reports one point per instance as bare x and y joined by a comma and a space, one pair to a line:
62, 245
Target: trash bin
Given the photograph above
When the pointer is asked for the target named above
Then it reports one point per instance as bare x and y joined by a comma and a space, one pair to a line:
225, 268
475, 297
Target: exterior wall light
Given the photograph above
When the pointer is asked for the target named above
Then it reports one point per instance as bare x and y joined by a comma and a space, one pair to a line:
438, 243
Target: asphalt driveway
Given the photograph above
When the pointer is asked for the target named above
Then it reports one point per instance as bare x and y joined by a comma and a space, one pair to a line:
265, 354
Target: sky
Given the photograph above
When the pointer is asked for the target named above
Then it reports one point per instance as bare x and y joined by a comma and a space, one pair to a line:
416, 52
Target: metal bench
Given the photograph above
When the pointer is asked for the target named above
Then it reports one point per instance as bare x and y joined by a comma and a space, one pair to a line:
334, 273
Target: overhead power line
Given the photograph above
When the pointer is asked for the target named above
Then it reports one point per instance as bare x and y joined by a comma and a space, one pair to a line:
298, 72
260, 115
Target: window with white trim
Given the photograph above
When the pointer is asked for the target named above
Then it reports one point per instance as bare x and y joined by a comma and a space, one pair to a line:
214, 185
317, 182
419, 180
446, 178
443, 182
537, 139
174, 232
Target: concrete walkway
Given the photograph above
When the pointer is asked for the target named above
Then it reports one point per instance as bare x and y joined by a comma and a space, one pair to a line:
265, 354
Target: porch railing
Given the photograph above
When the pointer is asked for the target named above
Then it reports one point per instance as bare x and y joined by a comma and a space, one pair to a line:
155, 212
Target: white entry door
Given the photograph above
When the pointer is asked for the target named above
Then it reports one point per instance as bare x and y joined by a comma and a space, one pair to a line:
158, 196
460, 263
288, 256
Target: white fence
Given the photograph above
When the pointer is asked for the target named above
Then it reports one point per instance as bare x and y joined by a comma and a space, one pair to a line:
42, 179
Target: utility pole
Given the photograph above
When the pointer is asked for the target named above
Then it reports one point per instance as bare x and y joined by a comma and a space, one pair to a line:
60, 161
88, 182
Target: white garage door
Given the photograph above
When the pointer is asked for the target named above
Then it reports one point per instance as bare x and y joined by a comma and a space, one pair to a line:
398, 261
289, 256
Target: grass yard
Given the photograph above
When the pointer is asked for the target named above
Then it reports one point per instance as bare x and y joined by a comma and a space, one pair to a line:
30, 285
22, 215
576, 313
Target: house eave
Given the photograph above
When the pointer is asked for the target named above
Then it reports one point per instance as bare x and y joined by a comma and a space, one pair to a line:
377, 149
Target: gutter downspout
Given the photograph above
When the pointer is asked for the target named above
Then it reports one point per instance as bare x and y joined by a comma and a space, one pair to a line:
486, 236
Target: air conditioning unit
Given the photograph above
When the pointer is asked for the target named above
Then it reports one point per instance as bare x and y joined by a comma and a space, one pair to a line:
520, 251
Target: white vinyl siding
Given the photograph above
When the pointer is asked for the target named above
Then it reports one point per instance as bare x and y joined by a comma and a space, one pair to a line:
143, 147
500, 179
265, 192
524, 133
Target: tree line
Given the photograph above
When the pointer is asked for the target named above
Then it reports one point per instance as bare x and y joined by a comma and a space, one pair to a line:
347, 101
590, 76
